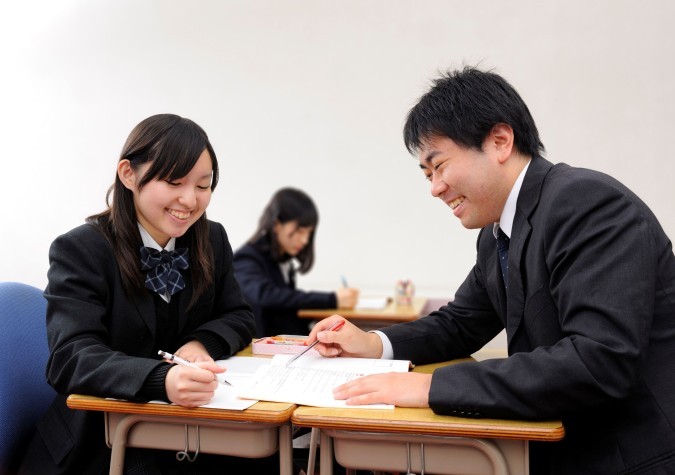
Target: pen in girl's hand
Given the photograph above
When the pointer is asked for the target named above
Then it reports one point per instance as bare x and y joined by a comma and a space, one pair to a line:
335, 327
344, 281
178, 360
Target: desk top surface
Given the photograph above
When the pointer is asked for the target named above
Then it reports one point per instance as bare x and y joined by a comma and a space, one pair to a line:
398, 420
390, 313
262, 411
405, 420
423, 421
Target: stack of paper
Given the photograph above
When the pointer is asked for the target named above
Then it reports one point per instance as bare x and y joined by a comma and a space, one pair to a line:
372, 303
310, 379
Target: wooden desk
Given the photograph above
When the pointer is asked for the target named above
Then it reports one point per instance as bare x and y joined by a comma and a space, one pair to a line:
372, 318
256, 432
410, 439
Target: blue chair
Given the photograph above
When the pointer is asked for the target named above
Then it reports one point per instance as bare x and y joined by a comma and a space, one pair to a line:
24, 392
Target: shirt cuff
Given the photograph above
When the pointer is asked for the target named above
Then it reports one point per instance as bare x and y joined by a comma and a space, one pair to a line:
387, 348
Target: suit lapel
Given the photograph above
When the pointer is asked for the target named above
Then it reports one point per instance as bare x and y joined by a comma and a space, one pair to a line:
516, 293
528, 198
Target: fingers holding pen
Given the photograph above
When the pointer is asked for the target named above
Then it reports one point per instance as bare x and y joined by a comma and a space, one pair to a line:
348, 341
191, 386
322, 331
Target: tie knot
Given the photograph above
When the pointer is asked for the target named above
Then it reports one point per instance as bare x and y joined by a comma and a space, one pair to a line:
151, 258
502, 240
164, 269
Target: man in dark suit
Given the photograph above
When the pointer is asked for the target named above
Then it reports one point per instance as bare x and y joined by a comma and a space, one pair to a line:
574, 266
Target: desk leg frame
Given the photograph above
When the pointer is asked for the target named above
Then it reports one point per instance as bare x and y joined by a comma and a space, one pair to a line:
119, 444
486, 447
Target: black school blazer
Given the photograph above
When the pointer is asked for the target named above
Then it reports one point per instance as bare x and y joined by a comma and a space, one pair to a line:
590, 322
101, 340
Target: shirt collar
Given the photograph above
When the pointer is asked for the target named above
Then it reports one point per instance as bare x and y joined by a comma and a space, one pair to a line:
509, 213
148, 241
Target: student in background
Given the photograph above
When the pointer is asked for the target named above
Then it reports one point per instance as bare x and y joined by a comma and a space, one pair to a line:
265, 266
149, 273
575, 267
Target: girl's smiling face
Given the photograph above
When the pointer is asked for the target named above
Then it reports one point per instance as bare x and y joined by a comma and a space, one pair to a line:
165, 208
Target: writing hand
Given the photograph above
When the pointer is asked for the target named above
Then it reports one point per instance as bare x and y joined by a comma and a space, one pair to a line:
347, 297
349, 341
399, 389
192, 386
193, 351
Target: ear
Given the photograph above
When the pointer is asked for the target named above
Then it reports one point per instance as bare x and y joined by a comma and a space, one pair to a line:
500, 140
126, 174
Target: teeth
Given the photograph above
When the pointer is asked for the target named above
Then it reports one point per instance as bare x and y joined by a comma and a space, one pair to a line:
456, 202
179, 214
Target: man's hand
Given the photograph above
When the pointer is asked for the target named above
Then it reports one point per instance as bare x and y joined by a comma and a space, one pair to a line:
349, 341
399, 389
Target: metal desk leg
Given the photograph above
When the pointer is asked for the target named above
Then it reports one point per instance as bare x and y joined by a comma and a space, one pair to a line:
313, 441
326, 454
119, 445
285, 450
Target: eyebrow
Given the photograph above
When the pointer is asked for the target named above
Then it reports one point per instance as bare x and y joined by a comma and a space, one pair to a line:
427, 160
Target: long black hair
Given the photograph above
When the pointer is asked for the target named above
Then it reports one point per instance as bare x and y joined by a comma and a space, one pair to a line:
287, 205
172, 145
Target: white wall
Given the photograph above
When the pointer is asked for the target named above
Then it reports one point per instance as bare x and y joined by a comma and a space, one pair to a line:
313, 93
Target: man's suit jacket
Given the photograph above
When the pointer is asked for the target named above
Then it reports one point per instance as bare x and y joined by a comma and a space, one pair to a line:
275, 302
102, 341
590, 322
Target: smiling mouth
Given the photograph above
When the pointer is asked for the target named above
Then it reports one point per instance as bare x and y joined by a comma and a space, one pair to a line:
456, 202
179, 214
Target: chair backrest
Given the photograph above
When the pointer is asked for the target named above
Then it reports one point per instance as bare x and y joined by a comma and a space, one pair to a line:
24, 392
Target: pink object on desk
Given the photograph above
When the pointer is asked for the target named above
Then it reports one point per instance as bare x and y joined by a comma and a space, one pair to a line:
280, 344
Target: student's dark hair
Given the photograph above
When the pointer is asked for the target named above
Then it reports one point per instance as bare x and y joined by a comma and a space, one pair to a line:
172, 145
287, 204
464, 106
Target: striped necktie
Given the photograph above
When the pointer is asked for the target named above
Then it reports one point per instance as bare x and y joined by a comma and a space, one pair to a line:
503, 253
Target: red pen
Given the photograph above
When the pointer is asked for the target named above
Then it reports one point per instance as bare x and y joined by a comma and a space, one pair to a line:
335, 327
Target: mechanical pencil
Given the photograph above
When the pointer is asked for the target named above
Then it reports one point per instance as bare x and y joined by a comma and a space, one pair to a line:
178, 360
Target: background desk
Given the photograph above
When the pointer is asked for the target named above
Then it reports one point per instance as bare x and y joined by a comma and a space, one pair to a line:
369, 319
409, 439
256, 432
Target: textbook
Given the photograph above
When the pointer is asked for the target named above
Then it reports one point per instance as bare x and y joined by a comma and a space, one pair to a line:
310, 379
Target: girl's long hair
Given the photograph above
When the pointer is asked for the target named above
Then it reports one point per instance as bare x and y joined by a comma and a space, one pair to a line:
172, 145
287, 204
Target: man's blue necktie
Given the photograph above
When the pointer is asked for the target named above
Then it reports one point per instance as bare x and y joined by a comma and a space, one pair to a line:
503, 253
164, 269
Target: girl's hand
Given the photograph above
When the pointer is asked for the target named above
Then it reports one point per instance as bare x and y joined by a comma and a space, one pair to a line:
194, 352
347, 297
192, 387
